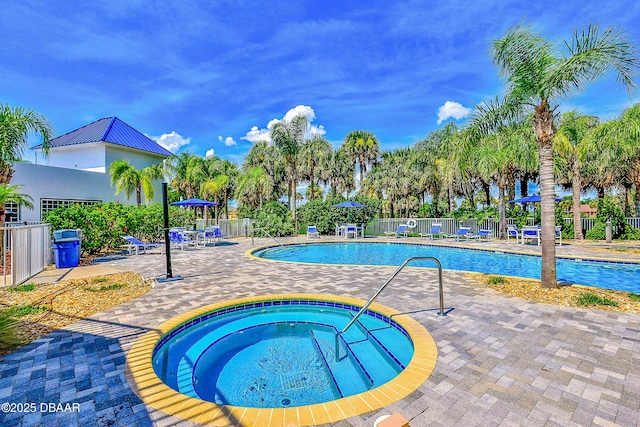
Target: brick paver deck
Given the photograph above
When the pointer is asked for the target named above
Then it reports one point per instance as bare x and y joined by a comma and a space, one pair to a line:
502, 360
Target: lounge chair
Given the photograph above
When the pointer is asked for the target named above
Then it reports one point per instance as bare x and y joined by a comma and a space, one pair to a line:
136, 246
400, 231
178, 238
531, 232
207, 236
312, 232
462, 232
435, 231
481, 234
512, 231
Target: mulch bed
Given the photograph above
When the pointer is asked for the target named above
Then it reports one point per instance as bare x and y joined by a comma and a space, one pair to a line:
70, 300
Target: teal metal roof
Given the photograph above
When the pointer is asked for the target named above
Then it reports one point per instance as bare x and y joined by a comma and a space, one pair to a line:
108, 129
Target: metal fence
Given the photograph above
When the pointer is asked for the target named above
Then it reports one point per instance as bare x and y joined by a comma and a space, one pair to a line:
26, 251
378, 227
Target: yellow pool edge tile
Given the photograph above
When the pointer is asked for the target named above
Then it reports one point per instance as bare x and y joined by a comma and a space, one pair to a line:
153, 392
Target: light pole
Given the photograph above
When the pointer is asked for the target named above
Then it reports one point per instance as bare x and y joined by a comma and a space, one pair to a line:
167, 244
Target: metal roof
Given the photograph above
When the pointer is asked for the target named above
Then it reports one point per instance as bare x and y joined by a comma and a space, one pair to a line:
108, 129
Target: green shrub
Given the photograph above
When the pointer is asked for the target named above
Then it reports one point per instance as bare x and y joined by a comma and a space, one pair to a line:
23, 288
8, 337
23, 310
598, 232
588, 298
496, 280
634, 296
275, 218
105, 288
103, 225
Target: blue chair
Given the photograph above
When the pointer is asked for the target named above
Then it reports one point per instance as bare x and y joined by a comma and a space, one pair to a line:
462, 232
180, 239
531, 232
512, 231
481, 234
352, 229
400, 231
435, 231
136, 246
312, 232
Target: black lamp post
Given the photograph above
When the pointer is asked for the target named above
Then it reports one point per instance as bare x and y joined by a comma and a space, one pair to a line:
167, 244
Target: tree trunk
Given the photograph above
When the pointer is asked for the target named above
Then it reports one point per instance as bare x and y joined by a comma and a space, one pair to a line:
139, 195
638, 199
524, 186
501, 212
452, 199
576, 187
600, 191
627, 200
545, 131
487, 193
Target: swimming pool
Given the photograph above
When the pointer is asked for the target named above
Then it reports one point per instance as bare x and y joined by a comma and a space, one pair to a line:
273, 357
608, 275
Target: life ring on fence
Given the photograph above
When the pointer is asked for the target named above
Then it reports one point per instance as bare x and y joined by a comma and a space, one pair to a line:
411, 223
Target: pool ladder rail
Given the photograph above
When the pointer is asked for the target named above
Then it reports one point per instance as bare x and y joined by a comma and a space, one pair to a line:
379, 291
253, 233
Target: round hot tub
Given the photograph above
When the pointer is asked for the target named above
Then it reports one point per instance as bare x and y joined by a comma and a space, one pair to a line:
280, 352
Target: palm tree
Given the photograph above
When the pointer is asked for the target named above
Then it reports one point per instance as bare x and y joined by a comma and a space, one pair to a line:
128, 179
254, 186
571, 145
314, 156
266, 156
362, 147
9, 193
618, 145
288, 137
538, 77
339, 173
16, 124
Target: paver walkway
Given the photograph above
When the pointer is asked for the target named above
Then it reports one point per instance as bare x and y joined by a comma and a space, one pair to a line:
502, 360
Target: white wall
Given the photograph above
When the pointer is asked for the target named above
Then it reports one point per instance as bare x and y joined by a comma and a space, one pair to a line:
40, 181
84, 157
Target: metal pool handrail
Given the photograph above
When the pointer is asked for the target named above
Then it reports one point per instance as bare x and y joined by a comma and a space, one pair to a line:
379, 291
253, 232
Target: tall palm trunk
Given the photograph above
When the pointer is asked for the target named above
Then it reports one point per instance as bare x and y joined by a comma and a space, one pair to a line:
545, 131
576, 187
637, 199
501, 211
452, 199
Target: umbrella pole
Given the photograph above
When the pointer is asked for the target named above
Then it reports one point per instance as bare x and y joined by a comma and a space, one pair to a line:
167, 244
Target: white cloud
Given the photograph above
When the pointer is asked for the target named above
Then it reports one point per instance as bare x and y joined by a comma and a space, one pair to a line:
452, 109
228, 141
209, 153
171, 141
256, 134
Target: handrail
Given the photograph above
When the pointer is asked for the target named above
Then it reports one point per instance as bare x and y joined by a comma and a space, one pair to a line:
375, 295
253, 232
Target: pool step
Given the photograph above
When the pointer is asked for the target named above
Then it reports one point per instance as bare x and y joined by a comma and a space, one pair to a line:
349, 372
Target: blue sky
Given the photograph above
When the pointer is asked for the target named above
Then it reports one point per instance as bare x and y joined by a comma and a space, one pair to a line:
202, 76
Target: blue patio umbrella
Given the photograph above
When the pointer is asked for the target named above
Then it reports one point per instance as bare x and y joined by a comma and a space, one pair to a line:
535, 198
348, 204
194, 202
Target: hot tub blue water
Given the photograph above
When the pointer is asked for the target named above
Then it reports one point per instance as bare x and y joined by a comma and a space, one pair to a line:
608, 275
281, 353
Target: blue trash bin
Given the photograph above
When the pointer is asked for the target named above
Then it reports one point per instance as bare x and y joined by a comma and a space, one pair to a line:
66, 253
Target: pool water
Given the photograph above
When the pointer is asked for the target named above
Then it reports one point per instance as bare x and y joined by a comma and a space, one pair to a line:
608, 275
281, 355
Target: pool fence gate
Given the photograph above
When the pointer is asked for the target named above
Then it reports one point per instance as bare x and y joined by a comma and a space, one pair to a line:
26, 251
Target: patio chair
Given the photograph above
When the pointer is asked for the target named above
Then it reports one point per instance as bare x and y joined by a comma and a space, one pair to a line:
531, 232
400, 231
207, 236
512, 231
136, 246
178, 238
351, 229
435, 231
481, 234
559, 233
312, 232
462, 232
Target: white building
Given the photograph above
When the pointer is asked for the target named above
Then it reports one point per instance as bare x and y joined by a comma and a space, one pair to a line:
77, 168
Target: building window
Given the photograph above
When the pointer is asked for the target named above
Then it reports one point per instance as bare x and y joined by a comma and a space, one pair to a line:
47, 205
11, 212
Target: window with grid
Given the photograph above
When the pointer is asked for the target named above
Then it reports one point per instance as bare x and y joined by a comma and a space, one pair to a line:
12, 212
47, 205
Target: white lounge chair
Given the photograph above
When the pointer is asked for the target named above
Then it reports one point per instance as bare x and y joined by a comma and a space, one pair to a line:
512, 231
136, 246
481, 234
400, 231
312, 232
435, 231
462, 232
531, 232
